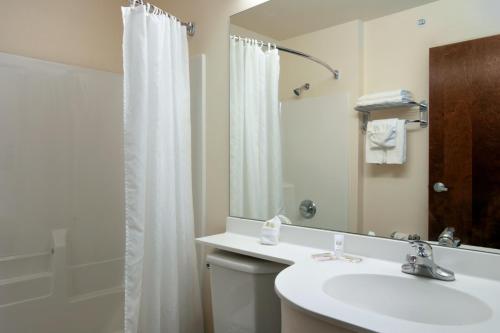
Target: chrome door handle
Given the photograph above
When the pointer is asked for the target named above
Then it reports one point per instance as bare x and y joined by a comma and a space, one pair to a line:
439, 187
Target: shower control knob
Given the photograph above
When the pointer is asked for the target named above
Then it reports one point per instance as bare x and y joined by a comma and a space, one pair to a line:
439, 187
307, 209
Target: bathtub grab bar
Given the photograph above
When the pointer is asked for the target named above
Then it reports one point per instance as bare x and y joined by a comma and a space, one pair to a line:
25, 256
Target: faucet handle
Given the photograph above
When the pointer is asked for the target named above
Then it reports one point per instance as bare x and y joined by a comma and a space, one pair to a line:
423, 249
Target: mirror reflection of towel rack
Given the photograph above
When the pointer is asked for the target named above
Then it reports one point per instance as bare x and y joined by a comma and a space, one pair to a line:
423, 110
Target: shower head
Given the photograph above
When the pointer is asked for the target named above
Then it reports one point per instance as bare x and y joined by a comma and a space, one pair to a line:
298, 91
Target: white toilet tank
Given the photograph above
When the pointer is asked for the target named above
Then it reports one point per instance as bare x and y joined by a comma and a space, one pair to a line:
243, 297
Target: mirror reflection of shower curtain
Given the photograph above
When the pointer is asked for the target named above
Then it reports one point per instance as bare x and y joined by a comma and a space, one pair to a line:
255, 140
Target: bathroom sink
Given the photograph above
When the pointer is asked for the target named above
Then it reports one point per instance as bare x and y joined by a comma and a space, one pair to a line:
410, 298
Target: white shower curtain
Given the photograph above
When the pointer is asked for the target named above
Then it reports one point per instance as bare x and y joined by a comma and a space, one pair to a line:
161, 282
255, 141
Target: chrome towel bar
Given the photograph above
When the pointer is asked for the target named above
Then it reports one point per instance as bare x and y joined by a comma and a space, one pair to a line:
422, 106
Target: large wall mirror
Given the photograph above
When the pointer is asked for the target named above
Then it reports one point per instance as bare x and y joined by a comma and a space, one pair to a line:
418, 158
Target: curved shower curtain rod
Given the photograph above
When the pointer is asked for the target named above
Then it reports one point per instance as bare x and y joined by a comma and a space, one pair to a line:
335, 72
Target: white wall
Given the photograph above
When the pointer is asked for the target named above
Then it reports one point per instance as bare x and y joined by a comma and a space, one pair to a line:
396, 56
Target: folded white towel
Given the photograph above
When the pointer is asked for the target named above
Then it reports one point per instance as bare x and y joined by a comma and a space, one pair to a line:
270, 231
385, 141
385, 99
387, 94
388, 101
381, 134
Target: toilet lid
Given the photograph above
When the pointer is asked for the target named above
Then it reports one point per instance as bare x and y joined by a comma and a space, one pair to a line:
241, 263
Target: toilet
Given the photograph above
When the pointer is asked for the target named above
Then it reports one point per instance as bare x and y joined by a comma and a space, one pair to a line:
243, 297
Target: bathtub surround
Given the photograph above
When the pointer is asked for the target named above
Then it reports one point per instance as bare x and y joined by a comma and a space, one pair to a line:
305, 136
61, 190
35, 289
161, 280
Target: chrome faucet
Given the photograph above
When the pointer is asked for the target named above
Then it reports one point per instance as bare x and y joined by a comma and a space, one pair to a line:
447, 238
422, 263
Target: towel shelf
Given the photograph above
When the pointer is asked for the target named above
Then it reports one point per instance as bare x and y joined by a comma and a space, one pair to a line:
422, 106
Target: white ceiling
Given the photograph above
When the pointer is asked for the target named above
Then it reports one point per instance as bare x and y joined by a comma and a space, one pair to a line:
283, 19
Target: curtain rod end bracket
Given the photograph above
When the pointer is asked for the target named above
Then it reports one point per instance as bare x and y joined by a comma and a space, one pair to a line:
336, 74
191, 28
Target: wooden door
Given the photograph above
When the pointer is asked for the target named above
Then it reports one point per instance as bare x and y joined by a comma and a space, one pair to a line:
464, 140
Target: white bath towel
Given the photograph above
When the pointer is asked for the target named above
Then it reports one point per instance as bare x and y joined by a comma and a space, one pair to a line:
385, 141
387, 94
388, 101
388, 98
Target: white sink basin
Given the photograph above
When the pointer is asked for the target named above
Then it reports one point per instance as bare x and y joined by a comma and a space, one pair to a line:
410, 298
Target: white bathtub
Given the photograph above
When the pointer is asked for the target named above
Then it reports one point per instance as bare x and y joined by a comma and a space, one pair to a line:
40, 293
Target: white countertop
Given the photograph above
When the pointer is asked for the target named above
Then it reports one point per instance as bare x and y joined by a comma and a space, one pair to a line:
301, 285
284, 253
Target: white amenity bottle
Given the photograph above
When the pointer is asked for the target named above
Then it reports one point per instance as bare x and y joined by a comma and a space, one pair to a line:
338, 246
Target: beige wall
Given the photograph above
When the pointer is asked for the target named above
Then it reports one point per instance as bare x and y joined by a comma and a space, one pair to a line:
85, 33
396, 56
240, 31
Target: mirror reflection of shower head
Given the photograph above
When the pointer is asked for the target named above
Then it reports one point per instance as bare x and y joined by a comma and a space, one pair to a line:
298, 91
